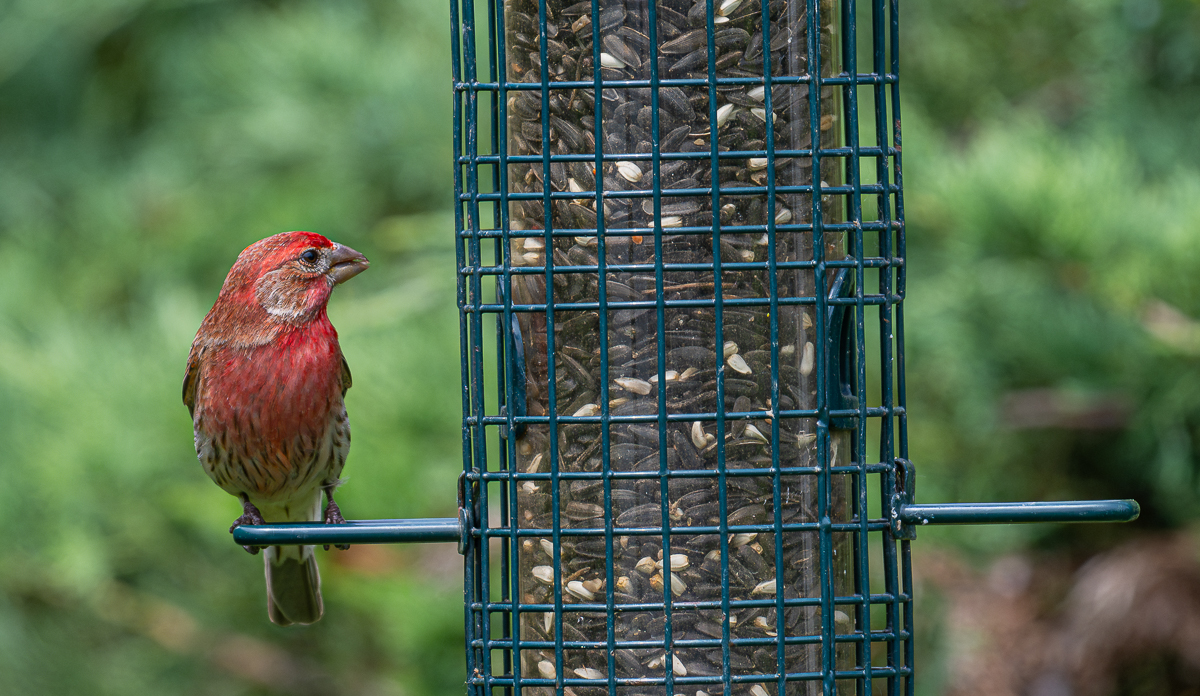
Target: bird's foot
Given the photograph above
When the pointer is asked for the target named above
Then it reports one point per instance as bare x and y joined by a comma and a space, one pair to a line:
333, 515
251, 516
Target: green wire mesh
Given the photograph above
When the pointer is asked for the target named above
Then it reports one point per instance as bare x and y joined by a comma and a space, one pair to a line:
680, 273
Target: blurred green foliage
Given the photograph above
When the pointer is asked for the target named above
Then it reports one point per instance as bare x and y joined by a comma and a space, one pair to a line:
1053, 198
142, 146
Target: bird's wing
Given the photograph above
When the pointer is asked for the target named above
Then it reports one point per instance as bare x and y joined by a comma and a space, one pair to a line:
347, 380
191, 378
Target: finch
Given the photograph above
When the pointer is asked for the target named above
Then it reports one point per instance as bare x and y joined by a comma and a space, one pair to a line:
265, 384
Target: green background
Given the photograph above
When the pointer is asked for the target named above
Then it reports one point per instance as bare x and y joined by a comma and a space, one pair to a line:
1052, 174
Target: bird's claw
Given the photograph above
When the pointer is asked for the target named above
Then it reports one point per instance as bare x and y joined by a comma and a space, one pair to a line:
250, 516
333, 515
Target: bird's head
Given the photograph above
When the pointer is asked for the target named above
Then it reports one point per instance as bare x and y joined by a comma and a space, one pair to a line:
290, 275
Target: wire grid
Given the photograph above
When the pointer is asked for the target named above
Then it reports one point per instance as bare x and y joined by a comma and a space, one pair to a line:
502, 365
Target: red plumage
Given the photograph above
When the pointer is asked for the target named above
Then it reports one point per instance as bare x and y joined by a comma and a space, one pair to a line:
265, 383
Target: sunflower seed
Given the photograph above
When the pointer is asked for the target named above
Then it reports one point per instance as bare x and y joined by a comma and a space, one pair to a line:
679, 561
727, 7
737, 540
633, 384
756, 434
686, 43
576, 588
610, 61
723, 114
623, 54
767, 588
806, 360
629, 171
738, 364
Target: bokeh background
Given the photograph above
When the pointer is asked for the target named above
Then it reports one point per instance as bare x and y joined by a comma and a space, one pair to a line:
1052, 172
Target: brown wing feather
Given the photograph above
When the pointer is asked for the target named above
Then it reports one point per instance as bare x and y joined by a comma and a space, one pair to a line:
190, 380
347, 380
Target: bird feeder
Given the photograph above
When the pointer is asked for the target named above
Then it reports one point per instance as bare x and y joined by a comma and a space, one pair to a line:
680, 256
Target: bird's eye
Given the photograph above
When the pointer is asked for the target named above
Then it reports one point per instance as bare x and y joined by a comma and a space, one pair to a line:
309, 257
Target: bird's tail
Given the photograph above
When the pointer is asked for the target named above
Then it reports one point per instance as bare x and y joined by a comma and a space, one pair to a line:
293, 585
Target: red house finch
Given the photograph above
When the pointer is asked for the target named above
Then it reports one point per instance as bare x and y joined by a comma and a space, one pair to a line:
264, 384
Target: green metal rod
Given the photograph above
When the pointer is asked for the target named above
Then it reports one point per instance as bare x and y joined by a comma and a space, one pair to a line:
1015, 513
358, 532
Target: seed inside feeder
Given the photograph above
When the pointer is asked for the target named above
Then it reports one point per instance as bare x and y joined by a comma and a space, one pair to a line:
576, 588
589, 673
767, 588
629, 171
742, 539
806, 360
633, 384
756, 434
723, 114
682, 348
738, 364
610, 61
728, 6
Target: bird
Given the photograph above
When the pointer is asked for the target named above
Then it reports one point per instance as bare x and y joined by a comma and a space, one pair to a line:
265, 386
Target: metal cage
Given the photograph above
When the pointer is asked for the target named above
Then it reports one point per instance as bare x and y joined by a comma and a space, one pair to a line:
680, 257
678, 273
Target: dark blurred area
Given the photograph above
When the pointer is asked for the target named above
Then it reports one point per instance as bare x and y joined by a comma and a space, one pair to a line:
1052, 179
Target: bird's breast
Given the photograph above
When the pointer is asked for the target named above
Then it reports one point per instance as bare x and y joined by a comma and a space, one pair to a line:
268, 411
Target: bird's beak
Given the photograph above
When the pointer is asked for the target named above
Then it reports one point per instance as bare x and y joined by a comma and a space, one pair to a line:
346, 263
